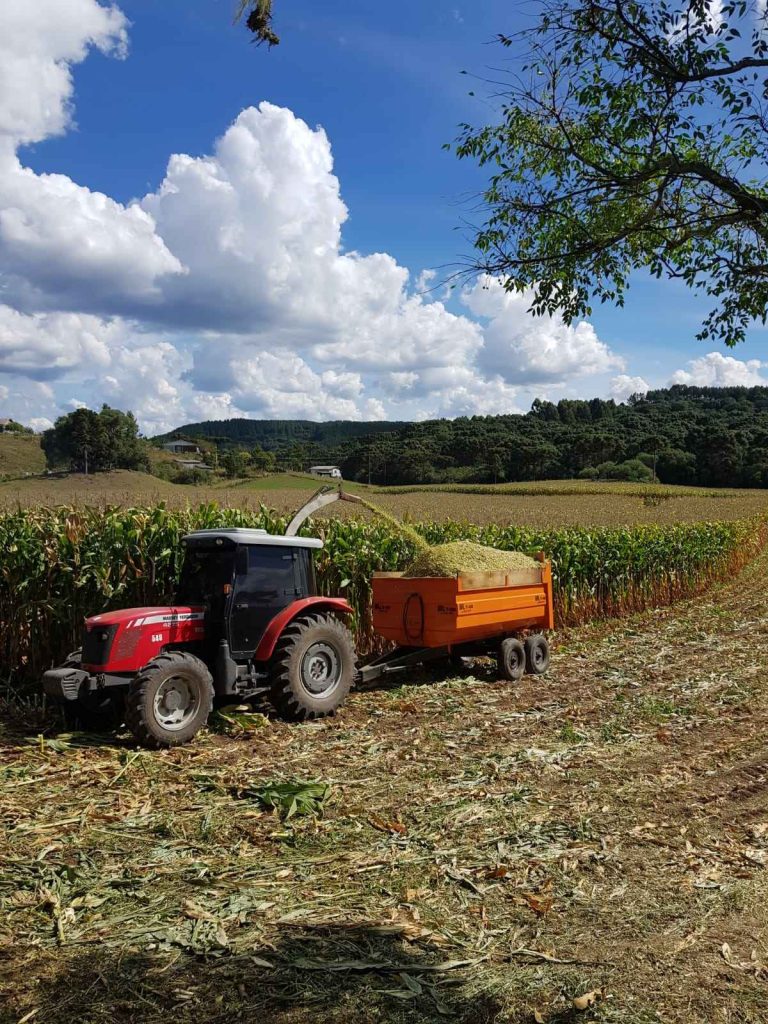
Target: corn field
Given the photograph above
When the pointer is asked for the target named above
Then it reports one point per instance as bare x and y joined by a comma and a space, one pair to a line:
61, 564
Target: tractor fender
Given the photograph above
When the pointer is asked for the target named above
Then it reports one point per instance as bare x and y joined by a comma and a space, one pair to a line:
274, 630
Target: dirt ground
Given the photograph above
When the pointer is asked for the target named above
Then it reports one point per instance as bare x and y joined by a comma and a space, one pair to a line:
589, 846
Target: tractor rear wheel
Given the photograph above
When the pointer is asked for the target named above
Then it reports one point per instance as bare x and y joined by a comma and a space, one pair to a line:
169, 700
312, 668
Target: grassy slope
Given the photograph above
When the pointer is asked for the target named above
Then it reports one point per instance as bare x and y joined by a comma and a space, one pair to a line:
20, 453
124, 487
488, 852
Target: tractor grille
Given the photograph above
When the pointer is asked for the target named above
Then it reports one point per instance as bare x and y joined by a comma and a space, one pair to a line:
97, 644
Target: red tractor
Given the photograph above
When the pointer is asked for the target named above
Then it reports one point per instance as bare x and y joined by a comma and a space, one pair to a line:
245, 620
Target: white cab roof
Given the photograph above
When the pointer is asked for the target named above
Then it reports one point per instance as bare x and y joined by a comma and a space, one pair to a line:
243, 535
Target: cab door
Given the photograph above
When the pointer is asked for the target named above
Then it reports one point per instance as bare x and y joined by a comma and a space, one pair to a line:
265, 583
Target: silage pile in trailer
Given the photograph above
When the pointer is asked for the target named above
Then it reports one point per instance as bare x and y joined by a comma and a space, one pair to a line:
462, 556
453, 558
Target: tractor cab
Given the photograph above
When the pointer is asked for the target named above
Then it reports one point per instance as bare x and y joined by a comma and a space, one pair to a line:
243, 578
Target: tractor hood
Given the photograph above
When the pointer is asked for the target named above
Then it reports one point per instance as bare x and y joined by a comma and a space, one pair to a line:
155, 614
125, 640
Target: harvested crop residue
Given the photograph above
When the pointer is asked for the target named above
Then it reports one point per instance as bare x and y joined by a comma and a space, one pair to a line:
596, 838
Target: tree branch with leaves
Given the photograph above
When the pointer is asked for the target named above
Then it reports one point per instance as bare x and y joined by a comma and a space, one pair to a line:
633, 135
258, 20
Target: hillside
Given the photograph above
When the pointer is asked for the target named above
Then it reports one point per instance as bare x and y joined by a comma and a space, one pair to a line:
712, 437
20, 454
708, 437
273, 434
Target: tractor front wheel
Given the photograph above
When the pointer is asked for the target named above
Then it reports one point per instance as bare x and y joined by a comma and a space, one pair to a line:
312, 667
169, 700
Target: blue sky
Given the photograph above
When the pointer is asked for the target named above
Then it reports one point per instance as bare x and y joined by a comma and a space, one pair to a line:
242, 280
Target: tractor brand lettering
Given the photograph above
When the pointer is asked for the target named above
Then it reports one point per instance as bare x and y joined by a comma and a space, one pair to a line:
155, 620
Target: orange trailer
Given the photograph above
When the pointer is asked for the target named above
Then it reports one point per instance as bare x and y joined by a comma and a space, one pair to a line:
501, 613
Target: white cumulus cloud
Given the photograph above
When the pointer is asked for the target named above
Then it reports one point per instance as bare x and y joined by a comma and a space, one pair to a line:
227, 290
714, 370
43, 346
39, 43
623, 386
523, 349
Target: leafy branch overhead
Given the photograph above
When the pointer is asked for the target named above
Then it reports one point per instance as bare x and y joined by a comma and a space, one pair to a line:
633, 135
258, 20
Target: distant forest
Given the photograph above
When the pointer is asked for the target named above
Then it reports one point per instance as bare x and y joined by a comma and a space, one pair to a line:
716, 437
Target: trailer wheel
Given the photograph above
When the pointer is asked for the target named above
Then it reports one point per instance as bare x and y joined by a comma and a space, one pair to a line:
511, 659
536, 654
312, 668
169, 700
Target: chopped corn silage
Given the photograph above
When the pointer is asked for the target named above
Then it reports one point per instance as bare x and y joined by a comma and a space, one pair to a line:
453, 558
465, 556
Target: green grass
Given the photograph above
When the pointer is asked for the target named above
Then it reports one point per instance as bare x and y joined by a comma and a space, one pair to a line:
566, 487
287, 481
20, 454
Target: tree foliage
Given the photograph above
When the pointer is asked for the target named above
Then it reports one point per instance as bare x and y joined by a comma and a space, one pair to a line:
91, 442
258, 20
633, 134
695, 435
235, 463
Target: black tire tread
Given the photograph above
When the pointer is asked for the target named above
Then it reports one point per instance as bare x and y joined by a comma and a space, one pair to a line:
136, 698
536, 639
282, 693
504, 672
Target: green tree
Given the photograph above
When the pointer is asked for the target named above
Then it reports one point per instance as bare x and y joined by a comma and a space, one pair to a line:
12, 427
494, 462
235, 462
632, 135
89, 442
632, 470
533, 459
262, 461
676, 466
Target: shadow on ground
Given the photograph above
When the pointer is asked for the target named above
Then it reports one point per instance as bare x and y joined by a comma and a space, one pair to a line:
332, 975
